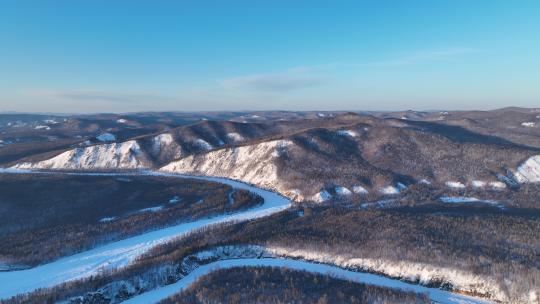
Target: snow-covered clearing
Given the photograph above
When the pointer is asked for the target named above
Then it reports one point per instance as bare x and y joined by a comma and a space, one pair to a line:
359, 190
342, 191
389, 190
321, 196
120, 253
106, 137
437, 295
455, 185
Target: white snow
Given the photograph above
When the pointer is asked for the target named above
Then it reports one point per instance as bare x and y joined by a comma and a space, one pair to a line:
120, 253
160, 141
175, 199
347, 133
235, 137
126, 155
440, 296
252, 164
121, 121
477, 184
321, 196
41, 127
529, 171
203, 144
425, 182
342, 191
528, 124
106, 137
51, 121
413, 271
359, 190
458, 199
497, 185
107, 219
464, 200
455, 185
225, 257
151, 209
494, 185
389, 190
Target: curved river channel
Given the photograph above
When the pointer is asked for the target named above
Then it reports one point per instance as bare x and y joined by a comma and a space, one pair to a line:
121, 253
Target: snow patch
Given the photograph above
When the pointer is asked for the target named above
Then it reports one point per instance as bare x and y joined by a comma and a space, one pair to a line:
121, 121
203, 144
528, 124
342, 191
529, 171
235, 137
477, 184
160, 141
175, 199
454, 185
41, 127
389, 190
106, 137
347, 133
360, 190
321, 196
107, 219
497, 185
151, 209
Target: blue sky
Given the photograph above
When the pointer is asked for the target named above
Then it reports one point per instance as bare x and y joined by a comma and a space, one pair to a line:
124, 56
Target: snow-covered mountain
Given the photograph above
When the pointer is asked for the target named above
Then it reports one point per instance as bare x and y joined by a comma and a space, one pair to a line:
314, 159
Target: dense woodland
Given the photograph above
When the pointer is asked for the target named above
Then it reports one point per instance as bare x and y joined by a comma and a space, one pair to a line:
45, 217
490, 242
281, 285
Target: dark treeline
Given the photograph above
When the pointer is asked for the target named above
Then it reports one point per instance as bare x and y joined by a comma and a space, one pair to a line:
282, 285
46, 217
497, 245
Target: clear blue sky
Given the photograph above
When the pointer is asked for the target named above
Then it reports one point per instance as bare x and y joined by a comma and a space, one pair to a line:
122, 56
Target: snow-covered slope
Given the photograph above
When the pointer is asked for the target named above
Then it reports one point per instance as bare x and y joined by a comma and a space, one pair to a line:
529, 171
125, 155
417, 272
253, 164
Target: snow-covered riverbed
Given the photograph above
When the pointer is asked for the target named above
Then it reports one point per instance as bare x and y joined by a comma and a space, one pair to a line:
121, 253
436, 295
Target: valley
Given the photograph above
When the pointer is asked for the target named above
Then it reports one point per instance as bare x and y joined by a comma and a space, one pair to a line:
443, 208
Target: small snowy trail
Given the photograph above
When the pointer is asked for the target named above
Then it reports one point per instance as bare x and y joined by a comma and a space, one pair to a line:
436, 295
121, 253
